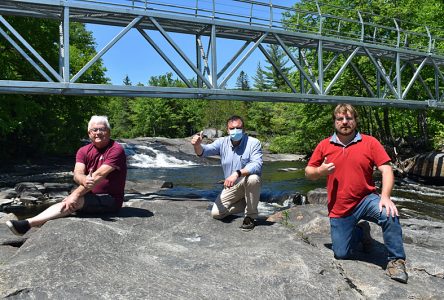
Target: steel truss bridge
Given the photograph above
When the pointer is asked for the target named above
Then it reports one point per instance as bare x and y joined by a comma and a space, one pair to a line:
321, 45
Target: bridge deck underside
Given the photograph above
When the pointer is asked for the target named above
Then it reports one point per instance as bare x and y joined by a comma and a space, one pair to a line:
198, 25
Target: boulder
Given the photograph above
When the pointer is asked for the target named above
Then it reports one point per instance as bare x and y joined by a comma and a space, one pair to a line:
28, 191
317, 196
58, 191
57, 187
173, 249
29, 200
6, 202
8, 193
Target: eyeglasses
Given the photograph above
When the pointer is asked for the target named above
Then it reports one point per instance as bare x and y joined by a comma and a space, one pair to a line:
231, 128
100, 129
348, 119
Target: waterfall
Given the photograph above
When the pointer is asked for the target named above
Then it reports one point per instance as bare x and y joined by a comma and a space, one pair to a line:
141, 156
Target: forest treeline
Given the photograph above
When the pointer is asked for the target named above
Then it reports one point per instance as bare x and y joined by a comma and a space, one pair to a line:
39, 125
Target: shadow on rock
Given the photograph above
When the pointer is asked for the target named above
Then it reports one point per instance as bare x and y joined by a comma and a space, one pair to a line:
124, 212
376, 255
260, 221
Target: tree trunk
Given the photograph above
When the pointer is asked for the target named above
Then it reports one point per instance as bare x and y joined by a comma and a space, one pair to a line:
379, 129
387, 132
422, 127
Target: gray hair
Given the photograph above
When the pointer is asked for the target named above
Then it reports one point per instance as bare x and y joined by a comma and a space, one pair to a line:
99, 120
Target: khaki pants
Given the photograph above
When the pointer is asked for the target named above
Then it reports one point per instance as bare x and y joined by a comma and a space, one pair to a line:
242, 197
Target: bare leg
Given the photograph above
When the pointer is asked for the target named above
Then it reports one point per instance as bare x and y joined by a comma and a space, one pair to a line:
53, 212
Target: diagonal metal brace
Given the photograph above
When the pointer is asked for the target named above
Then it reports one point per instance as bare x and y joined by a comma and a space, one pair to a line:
165, 57
383, 73
180, 52
31, 49
133, 23
298, 65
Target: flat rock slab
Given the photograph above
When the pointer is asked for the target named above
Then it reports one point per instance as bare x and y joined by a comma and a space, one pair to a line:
162, 249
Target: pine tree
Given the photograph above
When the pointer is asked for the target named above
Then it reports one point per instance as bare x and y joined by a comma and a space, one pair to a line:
260, 82
242, 82
273, 78
127, 80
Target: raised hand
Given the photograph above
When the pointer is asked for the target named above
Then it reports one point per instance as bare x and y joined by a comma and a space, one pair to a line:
197, 139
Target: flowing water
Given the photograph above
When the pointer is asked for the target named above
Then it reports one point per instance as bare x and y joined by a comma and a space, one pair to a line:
280, 182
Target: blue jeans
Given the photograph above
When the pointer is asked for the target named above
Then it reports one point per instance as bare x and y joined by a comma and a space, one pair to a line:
345, 235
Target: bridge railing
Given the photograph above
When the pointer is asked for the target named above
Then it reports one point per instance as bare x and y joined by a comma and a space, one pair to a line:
321, 19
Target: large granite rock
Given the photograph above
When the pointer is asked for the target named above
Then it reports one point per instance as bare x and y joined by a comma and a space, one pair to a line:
172, 249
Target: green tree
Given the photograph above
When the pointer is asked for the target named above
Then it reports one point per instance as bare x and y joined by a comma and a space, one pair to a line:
156, 116
34, 125
242, 82
260, 82
118, 111
273, 77
388, 124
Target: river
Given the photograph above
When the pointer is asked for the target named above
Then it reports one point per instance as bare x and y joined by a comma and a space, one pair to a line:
280, 180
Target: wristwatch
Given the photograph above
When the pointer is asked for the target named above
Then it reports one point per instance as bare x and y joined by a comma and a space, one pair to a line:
239, 173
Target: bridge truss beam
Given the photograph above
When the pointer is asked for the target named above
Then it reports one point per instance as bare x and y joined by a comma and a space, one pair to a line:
319, 58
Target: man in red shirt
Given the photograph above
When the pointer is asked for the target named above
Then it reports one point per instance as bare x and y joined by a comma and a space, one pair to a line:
100, 172
348, 159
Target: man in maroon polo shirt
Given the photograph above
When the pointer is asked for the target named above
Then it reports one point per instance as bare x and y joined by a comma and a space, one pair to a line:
100, 172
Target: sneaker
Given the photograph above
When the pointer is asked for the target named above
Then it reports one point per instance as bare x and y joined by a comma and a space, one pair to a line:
247, 224
366, 241
396, 270
18, 227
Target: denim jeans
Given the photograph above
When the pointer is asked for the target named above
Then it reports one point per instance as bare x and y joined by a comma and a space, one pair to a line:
345, 235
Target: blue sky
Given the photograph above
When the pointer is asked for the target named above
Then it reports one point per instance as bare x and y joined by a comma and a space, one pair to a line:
134, 56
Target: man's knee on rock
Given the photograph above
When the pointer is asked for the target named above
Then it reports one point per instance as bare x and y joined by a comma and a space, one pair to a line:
253, 179
216, 214
341, 254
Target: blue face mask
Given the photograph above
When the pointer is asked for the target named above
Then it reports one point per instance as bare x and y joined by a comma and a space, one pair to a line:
236, 134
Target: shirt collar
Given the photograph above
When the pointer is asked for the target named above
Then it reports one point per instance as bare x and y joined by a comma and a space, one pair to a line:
334, 139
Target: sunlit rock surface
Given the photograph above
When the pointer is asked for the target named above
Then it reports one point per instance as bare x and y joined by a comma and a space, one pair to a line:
167, 249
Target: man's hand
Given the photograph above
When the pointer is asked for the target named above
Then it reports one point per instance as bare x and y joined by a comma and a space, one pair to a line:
70, 204
197, 139
89, 180
390, 207
231, 180
326, 168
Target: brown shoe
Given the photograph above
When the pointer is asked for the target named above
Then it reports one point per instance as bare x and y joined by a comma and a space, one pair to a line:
367, 241
396, 270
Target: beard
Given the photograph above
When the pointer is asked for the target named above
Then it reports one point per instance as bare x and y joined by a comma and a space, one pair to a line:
346, 131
